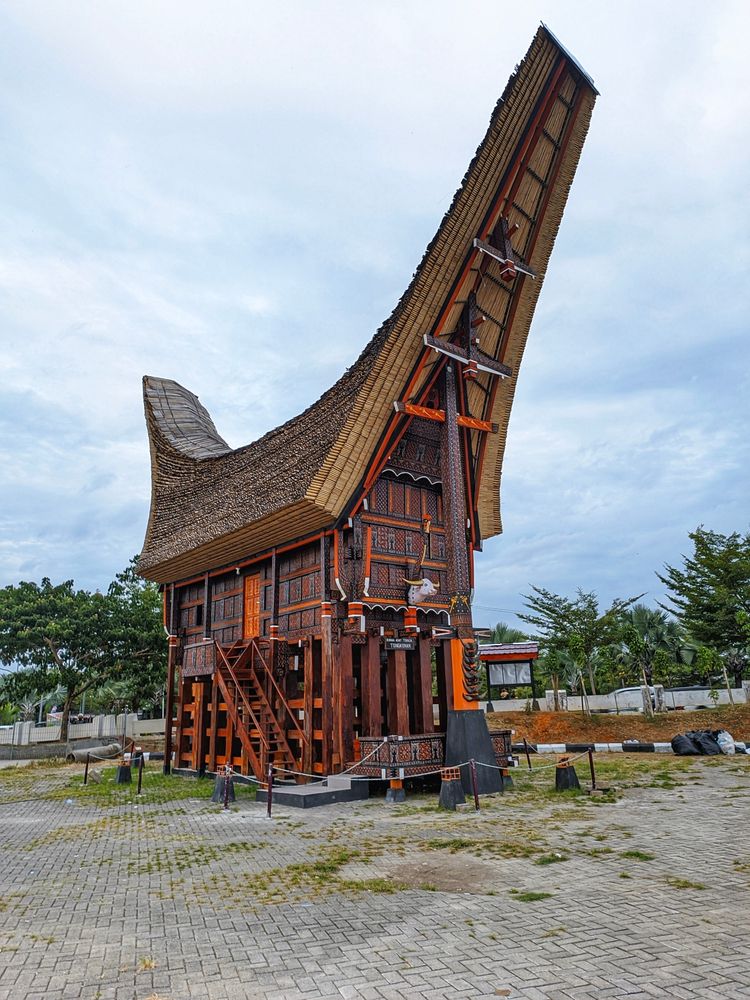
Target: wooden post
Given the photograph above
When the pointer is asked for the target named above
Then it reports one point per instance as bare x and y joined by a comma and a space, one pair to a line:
326, 658
308, 706
326, 687
424, 719
230, 740
591, 768
179, 724
199, 727
372, 723
526, 751
398, 701
443, 686
214, 724
173, 642
344, 702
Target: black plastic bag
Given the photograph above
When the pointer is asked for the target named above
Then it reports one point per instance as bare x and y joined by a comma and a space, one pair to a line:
683, 746
706, 742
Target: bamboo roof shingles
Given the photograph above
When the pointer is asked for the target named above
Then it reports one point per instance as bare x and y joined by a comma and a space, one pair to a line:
212, 505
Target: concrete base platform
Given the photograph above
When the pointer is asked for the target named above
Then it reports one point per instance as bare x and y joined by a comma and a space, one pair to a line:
309, 796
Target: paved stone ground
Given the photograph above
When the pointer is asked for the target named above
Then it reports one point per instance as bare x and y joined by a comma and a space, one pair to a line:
169, 898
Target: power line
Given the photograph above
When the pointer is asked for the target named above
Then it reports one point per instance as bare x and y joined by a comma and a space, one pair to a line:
504, 611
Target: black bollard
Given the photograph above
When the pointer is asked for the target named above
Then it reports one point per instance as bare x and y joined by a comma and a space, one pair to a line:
451, 789
565, 775
223, 787
123, 775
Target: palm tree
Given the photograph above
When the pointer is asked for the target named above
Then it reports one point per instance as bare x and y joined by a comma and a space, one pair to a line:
651, 637
505, 633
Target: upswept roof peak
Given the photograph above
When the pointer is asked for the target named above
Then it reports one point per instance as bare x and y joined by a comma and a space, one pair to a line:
213, 506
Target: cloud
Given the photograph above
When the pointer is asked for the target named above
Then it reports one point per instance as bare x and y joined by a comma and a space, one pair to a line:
236, 195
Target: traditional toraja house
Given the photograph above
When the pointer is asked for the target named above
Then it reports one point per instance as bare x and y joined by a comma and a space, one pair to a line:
318, 582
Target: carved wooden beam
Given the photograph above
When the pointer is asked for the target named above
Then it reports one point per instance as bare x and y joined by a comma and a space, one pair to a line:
427, 413
483, 361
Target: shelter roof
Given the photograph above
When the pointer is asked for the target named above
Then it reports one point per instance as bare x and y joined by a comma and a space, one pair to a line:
213, 506
508, 652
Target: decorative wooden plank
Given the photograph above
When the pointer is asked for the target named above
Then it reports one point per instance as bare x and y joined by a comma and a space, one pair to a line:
251, 616
427, 413
483, 361
198, 659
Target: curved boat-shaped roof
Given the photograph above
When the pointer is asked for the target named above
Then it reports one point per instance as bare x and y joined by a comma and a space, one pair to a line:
211, 506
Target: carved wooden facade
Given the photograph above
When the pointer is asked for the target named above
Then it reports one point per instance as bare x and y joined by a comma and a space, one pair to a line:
318, 582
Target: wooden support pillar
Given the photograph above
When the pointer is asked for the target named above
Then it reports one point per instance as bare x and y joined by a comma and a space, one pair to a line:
179, 725
326, 687
214, 724
444, 686
197, 703
230, 739
344, 703
309, 682
398, 698
422, 660
326, 659
200, 723
173, 642
371, 694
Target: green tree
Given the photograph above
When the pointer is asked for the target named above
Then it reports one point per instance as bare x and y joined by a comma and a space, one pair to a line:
506, 633
576, 626
60, 636
710, 594
650, 639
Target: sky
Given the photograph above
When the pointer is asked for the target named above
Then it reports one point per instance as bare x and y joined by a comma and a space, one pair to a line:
235, 195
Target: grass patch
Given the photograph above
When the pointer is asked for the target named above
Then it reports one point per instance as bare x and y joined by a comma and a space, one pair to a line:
525, 845
182, 858
683, 883
638, 855
529, 897
157, 788
550, 859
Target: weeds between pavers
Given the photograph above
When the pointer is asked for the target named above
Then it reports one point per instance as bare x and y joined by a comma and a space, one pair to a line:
529, 897
682, 883
319, 877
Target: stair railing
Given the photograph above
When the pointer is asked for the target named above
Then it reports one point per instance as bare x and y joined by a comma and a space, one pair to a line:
298, 733
240, 694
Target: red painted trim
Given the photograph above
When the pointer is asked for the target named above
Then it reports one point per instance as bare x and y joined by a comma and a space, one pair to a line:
565, 141
489, 220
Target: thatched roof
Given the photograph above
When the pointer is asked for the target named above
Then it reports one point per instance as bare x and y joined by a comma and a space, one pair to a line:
212, 506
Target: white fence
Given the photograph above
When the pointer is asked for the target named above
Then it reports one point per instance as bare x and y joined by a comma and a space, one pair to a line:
627, 701
101, 727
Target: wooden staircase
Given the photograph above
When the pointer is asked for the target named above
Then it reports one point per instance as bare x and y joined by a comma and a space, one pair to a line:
267, 728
